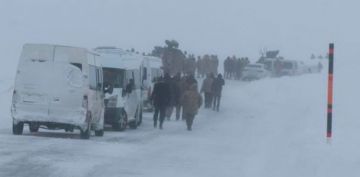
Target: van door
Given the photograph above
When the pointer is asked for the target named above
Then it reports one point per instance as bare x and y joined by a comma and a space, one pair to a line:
99, 105
33, 89
132, 100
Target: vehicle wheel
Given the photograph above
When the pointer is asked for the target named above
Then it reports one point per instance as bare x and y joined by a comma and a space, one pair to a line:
99, 132
34, 127
123, 122
69, 130
18, 128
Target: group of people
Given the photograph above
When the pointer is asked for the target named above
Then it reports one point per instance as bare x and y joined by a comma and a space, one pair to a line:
182, 95
212, 88
234, 67
207, 64
179, 93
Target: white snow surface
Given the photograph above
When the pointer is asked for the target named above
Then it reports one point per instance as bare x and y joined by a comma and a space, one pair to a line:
271, 127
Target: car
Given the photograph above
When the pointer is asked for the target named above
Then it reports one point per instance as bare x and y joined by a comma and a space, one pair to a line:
254, 72
58, 87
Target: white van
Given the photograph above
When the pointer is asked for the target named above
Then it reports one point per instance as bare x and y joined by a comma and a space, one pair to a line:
123, 103
58, 87
289, 68
151, 71
254, 72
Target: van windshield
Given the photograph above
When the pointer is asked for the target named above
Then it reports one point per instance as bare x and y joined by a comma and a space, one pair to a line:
114, 77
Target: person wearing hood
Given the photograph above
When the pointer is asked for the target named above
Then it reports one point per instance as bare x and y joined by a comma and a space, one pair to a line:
191, 101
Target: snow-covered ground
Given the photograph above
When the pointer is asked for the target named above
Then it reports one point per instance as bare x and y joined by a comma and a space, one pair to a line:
272, 128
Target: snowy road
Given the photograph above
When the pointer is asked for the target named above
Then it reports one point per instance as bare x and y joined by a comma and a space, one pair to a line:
273, 127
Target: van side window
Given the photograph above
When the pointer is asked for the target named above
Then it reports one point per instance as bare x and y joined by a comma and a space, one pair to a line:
92, 77
79, 65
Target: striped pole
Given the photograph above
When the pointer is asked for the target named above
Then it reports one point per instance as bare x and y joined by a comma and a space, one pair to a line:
330, 91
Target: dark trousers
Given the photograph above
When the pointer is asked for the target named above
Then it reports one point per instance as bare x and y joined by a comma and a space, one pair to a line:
208, 99
162, 111
189, 120
216, 102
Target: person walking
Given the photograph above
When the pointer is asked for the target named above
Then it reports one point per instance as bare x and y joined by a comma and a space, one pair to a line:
161, 98
191, 101
206, 88
217, 86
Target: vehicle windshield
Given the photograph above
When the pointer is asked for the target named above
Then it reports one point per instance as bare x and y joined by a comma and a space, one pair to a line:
114, 76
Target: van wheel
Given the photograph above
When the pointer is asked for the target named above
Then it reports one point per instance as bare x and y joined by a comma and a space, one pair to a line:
99, 132
122, 124
18, 128
69, 129
34, 127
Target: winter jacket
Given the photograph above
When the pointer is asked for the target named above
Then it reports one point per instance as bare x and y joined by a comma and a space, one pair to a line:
217, 86
161, 94
207, 85
191, 101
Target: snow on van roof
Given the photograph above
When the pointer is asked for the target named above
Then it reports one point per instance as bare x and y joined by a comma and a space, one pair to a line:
45, 52
126, 61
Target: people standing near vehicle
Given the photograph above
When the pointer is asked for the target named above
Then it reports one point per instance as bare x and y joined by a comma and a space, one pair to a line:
191, 101
206, 88
161, 98
217, 86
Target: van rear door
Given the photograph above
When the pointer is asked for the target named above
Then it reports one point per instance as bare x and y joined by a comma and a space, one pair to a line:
31, 87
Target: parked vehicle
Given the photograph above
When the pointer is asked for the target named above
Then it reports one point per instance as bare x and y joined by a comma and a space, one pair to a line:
152, 70
254, 72
58, 87
123, 80
289, 68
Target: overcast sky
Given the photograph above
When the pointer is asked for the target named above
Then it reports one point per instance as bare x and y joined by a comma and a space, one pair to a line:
225, 27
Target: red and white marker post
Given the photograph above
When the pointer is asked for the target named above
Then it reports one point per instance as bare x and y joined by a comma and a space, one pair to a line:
330, 92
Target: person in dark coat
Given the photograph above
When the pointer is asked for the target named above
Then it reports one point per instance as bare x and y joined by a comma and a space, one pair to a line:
191, 101
217, 86
161, 99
